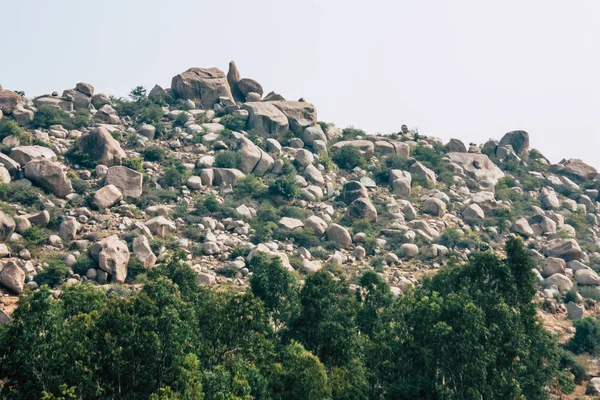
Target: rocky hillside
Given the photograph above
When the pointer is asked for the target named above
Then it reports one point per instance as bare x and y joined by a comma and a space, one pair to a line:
100, 189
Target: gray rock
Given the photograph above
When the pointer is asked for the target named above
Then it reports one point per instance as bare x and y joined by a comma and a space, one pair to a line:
12, 277
563, 283
68, 228
473, 214
478, 167
48, 175
521, 226
300, 114
7, 226
567, 249
161, 226
266, 120
102, 147
143, 252
316, 224
353, 190
519, 140
587, 277
107, 196
456, 146
409, 250
553, 265
206, 85
362, 208
128, 181
421, 173
339, 236
434, 207
23, 154
112, 255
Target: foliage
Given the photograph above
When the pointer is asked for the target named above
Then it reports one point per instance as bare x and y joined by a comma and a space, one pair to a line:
82, 264
53, 274
250, 185
228, 159
138, 93
284, 186
35, 236
349, 157
8, 127
21, 193
233, 123
153, 153
587, 336
135, 163
47, 116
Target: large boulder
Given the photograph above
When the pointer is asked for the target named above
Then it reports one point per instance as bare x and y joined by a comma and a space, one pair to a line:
102, 147
317, 224
362, 208
519, 140
143, 252
434, 206
54, 101
339, 236
562, 282
578, 168
353, 190
522, 227
479, 167
456, 146
233, 78
49, 175
392, 147
254, 159
161, 226
201, 84
567, 249
24, 154
553, 265
112, 255
227, 176
300, 114
473, 214
366, 147
247, 86
81, 101
7, 226
587, 277
12, 277
128, 181
421, 173
9, 100
265, 119
107, 196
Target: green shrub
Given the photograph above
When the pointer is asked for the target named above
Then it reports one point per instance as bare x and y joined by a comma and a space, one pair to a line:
174, 175
571, 295
233, 123
80, 186
351, 132
228, 159
35, 236
587, 336
284, 186
80, 158
134, 268
47, 116
134, 163
153, 153
348, 158
250, 185
589, 292
53, 274
450, 237
150, 115
83, 263
20, 193
8, 127
81, 119
181, 119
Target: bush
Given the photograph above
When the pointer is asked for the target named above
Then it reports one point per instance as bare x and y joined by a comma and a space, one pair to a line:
47, 116
134, 268
181, 119
83, 263
450, 237
53, 274
8, 127
81, 119
35, 236
134, 163
250, 185
349, 157
284, 186
228, 159
587, 336
352, 133
21, 193
233, 123
80, 186
80, 158
150, 115
154, 153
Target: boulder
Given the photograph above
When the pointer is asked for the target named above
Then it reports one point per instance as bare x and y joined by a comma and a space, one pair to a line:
233, 78
304, 158
587, 277
161, 226
102, 147
522, 227
112, 255
254, 159
24, 154
563, 283
7, 226
339, 236
9, 100
99, 100
578, 168
567, 249
227, 176
68, 228
353, 190
473, 214
574, 311
22, 115
54, 101
409, 250
366, 147
519, 140
456, 146
143, 252
247, 86
158, 92
300, 114
362, 208
264, 119
12, 277
434, 206
316, 224
108, 114
81, 101
85, 88
107, 196
553, 265
49, 175
478, 167
128, 181
313, 175
313, 133
205, 85
593, 387
290, 223
421, 173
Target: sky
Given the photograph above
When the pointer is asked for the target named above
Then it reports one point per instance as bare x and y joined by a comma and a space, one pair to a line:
467, 69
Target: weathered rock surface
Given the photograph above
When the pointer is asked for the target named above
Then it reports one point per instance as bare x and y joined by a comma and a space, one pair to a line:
201, 84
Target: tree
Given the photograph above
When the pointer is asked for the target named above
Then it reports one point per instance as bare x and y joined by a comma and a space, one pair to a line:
138, 94
587, 336
302, 376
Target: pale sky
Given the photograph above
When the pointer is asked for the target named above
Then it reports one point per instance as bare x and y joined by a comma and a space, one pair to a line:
470, 69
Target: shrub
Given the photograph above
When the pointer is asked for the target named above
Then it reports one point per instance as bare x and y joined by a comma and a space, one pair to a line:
589, 292
134, 163
181, 119
80, 158
349, 157
250, 185
47, 116
81, 119
83, 263
228, 159
450, 237
21, 193
233, 123
154, 153
80, 186
9, 127
35, 236
53, 274
352, 133
152, 114
284, 186
571, 295
134, 268
587, 336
